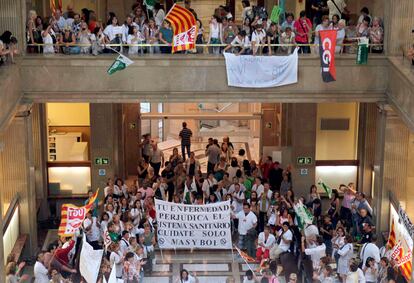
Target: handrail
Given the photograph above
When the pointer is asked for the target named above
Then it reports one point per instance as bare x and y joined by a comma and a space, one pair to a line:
10, 211
169, 45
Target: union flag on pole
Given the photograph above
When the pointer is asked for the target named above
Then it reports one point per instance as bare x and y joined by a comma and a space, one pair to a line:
72, 217
184, 26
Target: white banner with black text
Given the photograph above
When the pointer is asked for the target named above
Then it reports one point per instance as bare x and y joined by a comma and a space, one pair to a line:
182, 226
261, 71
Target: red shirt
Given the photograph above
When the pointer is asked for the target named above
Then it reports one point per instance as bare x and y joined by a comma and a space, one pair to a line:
265, 169
62, 254
300, 27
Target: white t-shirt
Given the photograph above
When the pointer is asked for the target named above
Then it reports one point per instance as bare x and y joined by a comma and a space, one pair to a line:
111, 31
288, 236
246, 222
271, 240
190, 279
117, 259
369, 250
238, 204
340, 36
258, 189
245, 42
316, 253
94, 233
258, 37
40, 273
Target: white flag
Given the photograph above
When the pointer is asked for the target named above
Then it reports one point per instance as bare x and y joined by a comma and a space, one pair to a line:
89, 262
112, 276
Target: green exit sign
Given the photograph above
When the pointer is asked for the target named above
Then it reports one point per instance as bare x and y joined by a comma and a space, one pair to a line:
101, 161
304, 160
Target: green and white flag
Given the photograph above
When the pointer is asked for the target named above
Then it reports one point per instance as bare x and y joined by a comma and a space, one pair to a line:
187, 197
120, 63
150, 4
325, 187
303, 215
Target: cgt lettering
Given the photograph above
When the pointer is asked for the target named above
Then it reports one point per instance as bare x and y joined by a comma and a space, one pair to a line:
326, 55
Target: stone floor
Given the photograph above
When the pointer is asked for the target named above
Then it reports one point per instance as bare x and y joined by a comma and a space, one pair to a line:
209, 266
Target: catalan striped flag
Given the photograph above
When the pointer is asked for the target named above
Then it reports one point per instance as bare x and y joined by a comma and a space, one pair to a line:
391, 238
184, 26
72, 217
402, 259
52, 7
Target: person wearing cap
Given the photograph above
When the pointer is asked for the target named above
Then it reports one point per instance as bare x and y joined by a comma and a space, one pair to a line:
258, 38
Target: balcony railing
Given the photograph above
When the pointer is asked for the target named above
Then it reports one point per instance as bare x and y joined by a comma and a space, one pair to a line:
145, 48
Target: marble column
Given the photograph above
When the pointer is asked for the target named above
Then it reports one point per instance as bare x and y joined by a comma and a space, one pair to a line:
390, 165
303, 145
105, 131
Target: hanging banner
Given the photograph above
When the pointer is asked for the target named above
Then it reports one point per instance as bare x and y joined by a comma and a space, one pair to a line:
327, 44
261, 71
400, 244
89, 262
182, 226
72, 217
362, 54
184, 25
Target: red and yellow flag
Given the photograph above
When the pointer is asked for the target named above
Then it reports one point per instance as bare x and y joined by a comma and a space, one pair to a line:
184, 26
401, 256
72, 217
52, 6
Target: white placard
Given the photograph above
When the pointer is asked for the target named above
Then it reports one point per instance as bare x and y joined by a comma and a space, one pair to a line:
261, 71
89, 262
182, 226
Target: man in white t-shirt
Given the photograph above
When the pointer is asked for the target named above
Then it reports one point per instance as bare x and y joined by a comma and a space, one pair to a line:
258, 38
265, 242
370, 250
286, 238
240, 42
92, 230
316, 250
124, 242
247, 225
238, 199
40, 271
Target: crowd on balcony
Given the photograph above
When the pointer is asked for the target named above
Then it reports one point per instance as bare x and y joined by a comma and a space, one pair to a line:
252, 33
339, 243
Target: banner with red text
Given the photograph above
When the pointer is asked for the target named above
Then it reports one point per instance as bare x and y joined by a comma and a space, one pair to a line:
183, 226
327, 44
72, 217
400, 245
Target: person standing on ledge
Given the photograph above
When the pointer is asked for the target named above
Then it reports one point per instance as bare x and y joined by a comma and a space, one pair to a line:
185, 136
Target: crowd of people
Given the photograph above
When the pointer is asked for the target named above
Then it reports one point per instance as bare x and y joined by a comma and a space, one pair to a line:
253, 33
339, 244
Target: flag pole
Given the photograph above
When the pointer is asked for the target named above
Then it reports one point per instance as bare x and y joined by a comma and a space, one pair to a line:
248, 265
170, 11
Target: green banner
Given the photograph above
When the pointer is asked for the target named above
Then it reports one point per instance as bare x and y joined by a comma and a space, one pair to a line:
274, 17
362, 54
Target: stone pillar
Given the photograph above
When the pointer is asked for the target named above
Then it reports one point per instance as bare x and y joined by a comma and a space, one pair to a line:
303, 144
366, 145
13, 17
390, 165
132, 136
104, 144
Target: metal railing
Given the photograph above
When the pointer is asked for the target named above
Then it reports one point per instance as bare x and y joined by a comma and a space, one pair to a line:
205, 46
